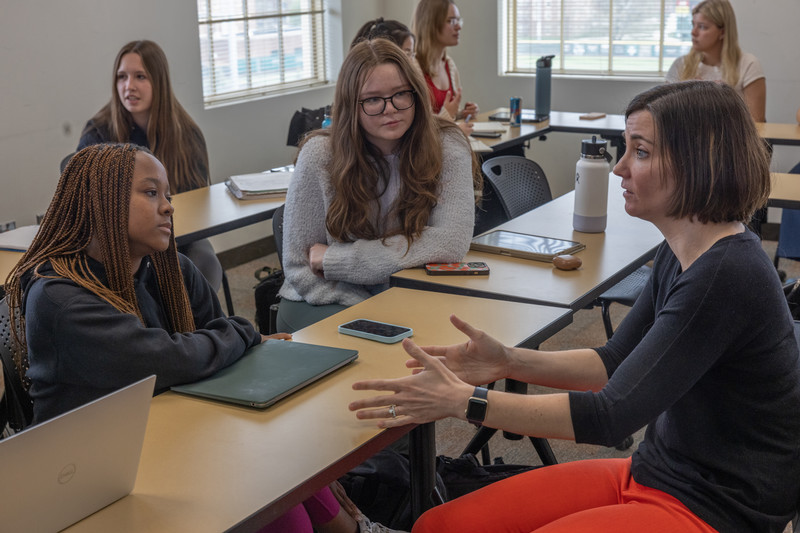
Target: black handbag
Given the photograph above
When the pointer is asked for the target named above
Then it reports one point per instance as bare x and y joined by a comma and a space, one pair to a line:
302, 122
266, 295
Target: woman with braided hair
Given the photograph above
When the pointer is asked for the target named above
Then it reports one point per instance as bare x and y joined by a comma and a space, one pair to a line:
102, 298
143, 110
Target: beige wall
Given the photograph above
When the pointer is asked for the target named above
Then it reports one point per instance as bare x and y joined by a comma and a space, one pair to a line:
56, 62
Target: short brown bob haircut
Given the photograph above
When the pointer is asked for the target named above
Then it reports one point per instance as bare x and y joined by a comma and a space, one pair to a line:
709, 145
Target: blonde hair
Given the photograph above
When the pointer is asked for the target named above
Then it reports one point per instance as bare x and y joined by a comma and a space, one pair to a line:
719, 12
172, 135
92, 201
429, 17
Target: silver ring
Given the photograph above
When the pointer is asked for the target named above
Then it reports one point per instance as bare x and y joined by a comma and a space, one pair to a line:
392, 411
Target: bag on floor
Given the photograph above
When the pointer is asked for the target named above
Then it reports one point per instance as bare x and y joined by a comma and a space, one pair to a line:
465, 474
266, 294
381, 486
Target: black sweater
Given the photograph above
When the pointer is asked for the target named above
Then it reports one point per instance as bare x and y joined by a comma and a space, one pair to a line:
707, 358
81, 348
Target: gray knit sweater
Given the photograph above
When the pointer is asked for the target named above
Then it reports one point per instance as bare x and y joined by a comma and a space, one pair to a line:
356, 270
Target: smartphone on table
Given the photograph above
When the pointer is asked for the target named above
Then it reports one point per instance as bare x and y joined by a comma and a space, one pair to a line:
376, 331
472, 268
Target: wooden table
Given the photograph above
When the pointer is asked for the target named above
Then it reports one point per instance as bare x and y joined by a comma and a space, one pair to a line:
610, 127
785, 191
786, 134
626, 244
210, 467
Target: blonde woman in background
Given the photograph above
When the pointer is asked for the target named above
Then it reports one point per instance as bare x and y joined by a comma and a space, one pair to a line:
716, 56
437, 25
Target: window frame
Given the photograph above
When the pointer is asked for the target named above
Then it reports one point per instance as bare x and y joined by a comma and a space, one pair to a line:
327, 27
507, 46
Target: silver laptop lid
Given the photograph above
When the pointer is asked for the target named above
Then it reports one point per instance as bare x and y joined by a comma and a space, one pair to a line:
66, 468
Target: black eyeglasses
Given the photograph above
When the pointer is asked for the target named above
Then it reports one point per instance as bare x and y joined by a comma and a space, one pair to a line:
375, 105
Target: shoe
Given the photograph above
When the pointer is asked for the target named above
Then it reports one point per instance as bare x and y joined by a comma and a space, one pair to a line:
365, 525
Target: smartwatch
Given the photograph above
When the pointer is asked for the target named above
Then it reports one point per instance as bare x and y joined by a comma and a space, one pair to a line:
477, 406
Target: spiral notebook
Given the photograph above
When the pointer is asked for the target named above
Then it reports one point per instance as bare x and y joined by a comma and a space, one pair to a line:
524, 246
269, 372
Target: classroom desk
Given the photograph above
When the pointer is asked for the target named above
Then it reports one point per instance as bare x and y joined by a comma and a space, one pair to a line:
208, 211
610, 127
626, 244
785, 191
199, 214
786, 134
211, 467
8, 260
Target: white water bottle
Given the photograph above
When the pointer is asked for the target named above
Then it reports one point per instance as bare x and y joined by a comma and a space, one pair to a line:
591, 187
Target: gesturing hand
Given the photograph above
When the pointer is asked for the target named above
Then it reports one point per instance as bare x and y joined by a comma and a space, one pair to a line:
482, 359
431, 393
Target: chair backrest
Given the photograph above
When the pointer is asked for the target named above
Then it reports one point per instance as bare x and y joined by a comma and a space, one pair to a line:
16, 407
65, 161
519, 182
277, 232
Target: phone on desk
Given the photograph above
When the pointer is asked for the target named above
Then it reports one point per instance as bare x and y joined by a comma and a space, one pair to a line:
376, 331
472, 268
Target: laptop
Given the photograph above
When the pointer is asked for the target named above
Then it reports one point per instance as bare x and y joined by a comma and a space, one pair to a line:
269, 372
524, 246
66, 468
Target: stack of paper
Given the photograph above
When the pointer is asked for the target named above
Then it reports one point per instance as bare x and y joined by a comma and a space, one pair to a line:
259, 185
19, 239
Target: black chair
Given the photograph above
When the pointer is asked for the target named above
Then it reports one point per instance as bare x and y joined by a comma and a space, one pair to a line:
520, 183
65, 161
16, 406
277, 233
625, 292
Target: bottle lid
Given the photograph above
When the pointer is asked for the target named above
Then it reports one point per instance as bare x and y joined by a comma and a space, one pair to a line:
545, 61
594, 148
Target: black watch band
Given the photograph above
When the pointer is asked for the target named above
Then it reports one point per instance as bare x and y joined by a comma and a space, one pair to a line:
477, 406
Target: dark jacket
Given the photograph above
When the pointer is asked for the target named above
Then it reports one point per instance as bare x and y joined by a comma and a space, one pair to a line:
81, 348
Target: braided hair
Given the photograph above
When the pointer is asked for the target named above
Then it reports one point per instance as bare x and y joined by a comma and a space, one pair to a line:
92, 201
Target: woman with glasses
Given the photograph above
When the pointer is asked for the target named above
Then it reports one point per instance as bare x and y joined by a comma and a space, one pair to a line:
388, 186
437, 25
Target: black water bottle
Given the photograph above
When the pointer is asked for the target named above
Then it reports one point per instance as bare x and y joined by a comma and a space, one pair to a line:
543, 69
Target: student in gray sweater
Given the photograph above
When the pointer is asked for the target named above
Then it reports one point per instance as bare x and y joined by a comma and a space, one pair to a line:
706, 358
388, 186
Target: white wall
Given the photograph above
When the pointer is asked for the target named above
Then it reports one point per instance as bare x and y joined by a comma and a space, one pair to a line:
56, 69
767, 28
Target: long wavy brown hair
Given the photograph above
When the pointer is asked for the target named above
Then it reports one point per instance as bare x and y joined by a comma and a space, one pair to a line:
172, 135
92, 201
358, 170
720, 12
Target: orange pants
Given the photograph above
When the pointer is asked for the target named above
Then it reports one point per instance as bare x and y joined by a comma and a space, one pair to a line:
595, 495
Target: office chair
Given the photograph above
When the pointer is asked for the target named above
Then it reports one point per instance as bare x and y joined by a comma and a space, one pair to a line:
520, 183
64, 161
16, 406
277, 233
625, 292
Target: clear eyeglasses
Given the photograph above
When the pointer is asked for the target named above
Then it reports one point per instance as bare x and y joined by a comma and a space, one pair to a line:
455, 21
375, 105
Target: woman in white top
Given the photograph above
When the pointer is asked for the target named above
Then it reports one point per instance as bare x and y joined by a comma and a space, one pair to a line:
716, 56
